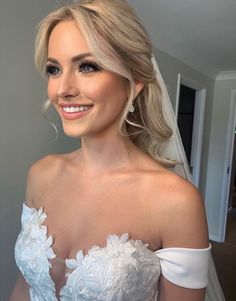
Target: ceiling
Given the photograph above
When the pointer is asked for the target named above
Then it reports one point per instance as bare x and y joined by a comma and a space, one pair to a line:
200, 33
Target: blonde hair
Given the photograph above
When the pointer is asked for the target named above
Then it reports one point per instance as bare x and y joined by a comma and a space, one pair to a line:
119, 42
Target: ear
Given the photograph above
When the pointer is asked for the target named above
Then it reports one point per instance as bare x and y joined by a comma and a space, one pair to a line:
138, 87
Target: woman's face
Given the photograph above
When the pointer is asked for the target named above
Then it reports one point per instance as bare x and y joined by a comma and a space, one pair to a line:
88, 98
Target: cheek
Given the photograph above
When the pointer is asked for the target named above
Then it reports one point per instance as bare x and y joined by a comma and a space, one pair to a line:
106, 90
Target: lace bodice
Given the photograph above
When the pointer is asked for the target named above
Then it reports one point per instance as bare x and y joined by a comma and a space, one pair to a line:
123, 270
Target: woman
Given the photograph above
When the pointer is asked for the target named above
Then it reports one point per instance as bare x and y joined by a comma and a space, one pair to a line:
109, 221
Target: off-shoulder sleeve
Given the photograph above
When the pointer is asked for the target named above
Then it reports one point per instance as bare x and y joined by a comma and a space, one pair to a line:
184, 266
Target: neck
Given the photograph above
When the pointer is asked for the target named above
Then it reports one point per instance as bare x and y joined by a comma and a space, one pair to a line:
107, 153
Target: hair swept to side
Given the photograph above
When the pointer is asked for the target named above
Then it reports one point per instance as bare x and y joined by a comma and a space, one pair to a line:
119, 42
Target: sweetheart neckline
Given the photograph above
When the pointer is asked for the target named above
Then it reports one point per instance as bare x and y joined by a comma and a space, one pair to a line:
113, 242
80, 256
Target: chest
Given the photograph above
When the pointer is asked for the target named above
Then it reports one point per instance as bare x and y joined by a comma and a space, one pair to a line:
82, 214
84, 219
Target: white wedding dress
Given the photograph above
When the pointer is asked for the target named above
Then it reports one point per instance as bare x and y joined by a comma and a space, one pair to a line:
123, 270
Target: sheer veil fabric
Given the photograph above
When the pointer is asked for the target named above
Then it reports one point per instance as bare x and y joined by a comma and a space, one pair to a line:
174, 150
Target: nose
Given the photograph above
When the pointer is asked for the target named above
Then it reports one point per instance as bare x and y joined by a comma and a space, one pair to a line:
68, 86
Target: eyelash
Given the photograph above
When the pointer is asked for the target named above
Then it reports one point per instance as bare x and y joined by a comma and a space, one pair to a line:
89, 64
53, 70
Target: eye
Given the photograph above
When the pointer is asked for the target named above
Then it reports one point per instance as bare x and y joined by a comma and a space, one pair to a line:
87, 67
52, 70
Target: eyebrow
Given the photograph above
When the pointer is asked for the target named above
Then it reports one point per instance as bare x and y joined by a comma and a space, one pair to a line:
74, 59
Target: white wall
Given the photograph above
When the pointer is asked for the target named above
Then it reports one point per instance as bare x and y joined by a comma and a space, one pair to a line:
217, 153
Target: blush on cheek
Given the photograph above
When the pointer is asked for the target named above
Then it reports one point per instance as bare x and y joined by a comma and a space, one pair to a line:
104, 86
92, 89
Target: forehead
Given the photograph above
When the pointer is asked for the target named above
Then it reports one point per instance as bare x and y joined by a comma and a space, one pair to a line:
66, 39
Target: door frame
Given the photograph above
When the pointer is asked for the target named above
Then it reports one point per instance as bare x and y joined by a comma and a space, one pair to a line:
228, 165
198, 122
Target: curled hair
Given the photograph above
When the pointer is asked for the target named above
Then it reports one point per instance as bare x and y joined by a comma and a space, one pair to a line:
120, 44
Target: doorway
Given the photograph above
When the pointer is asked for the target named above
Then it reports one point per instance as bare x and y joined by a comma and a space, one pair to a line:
232, 180
189, 112
185, 119
231, 208
228, 207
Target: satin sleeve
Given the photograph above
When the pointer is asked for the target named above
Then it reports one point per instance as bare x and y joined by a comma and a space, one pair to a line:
185, 267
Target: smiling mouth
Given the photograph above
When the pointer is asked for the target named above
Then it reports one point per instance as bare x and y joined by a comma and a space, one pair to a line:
76, 109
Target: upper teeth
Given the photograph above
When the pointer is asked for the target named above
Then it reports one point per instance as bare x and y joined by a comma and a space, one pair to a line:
76, 109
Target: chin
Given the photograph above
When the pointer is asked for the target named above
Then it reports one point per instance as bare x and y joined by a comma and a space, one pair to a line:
72, 132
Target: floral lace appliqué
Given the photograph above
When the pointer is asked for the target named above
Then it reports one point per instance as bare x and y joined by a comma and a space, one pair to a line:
123, 270
32, 252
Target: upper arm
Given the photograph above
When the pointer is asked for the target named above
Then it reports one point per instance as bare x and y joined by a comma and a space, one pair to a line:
37, 179
171, 292
183, 225
20, 291
183, 222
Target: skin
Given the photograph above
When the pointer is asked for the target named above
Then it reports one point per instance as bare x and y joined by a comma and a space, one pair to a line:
107, 182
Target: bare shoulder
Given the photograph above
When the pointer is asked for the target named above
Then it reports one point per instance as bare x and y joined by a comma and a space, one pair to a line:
40, 175
179, 189
180, 210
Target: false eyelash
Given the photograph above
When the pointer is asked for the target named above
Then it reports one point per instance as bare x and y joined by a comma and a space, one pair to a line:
91, 64
50, 69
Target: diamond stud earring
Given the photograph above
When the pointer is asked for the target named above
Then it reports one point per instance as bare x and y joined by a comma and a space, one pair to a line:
131, 108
